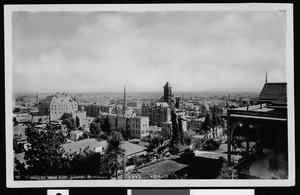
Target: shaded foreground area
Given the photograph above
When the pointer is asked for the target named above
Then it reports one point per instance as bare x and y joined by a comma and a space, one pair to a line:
180, 168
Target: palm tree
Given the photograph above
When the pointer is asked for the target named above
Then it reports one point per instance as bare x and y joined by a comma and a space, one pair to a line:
155, 144
114, 153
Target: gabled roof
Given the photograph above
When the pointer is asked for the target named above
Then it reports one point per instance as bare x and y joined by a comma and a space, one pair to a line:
161, 99
48, 99
272, 91
167, 85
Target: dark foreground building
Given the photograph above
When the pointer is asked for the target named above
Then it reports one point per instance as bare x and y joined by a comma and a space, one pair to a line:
269, 119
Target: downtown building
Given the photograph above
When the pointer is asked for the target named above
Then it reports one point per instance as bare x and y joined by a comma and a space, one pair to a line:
57, 105
160, 112
157, 113
139, 127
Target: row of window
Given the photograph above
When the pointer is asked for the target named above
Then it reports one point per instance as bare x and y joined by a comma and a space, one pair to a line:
135, 131
138, 126
61, 112
62, 108
63, 105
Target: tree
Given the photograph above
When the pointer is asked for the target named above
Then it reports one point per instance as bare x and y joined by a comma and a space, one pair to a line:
187, 138
86, 162
95, 130
70, 124
19, 167
216, 120
216, 110
127, 128
45, 153
113, 154
106, 126
207, 124
180, 130
77, 122
210, 145
175, 139
202, 109
66, 116
126, 132
155, 144
214, 123
15, 122
198, 144
98, 120
228, 172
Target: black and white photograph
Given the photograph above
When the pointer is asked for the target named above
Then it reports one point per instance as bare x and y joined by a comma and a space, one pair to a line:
169, 95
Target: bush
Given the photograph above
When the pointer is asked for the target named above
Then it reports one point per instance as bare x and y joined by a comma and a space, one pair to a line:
177, 176
187, 138
174, 150
188, 153
227, 172
210, 145
198, 144
137, 160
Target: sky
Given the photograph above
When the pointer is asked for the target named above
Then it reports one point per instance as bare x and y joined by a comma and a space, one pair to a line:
103, 51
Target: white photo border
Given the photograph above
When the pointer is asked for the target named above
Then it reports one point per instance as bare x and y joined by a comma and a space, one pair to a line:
10, 182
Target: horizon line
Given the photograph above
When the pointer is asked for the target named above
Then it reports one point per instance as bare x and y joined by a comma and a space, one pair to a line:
108, 92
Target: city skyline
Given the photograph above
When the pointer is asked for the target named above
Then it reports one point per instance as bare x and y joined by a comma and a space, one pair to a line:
103, 51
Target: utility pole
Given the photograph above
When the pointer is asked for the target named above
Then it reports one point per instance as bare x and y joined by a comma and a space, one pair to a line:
124, 161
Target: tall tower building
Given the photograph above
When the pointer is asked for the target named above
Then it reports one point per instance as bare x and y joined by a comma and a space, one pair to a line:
167, 93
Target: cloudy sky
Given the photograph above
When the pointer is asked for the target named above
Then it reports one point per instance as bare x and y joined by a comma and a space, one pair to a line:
103, 51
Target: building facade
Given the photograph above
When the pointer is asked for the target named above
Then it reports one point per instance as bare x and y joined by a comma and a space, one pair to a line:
107, 109
57, 105
268, 121
112, 120
122, 123
139, 126
157, 113
92, 110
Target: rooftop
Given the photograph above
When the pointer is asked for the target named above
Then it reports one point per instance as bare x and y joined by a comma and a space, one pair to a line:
130, 149
162, 104
272, 91
82, 144
58, 98
167, 85
257, 112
